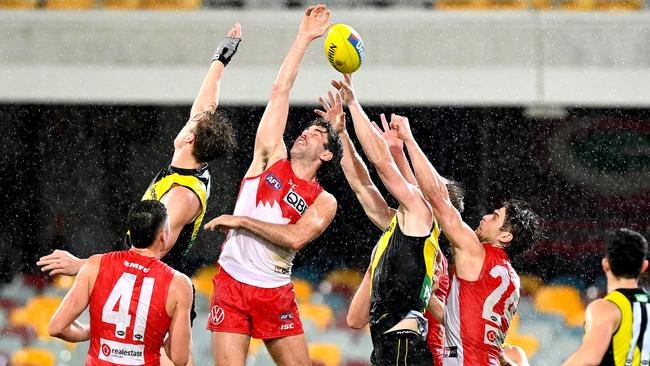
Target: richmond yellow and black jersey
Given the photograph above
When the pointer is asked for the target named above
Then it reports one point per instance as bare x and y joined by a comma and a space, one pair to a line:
401, 275
627, 345
197, 181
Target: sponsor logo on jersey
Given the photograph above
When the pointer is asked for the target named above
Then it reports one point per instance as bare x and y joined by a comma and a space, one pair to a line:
137, 266
216, 315
286, 326
492, 336
282, 270
273, 181
286, 316
121, 353
296, 201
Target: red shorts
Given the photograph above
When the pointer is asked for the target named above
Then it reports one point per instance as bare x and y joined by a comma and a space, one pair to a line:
263, 313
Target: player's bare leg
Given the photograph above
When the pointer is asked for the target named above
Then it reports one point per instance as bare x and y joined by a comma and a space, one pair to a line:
289, 351
229, 349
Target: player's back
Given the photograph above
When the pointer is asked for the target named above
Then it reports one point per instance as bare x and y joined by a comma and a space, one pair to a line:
128, 315
478, 313
626, 347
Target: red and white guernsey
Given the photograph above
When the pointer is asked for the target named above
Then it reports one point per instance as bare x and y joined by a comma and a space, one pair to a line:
128, 315
436, 331
478, 313
276, 196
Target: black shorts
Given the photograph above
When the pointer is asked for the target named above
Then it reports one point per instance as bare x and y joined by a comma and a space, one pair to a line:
401, 348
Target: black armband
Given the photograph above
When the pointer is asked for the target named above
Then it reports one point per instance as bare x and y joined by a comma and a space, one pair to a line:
226, 50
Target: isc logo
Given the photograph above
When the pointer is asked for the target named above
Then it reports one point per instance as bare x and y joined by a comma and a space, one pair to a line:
297, 202
286, 326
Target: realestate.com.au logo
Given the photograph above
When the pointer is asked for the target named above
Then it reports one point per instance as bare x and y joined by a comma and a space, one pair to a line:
121, 353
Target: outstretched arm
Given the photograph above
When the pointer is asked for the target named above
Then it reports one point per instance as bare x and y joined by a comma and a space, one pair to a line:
178, 305
462, 237
396, 148
602, 318
269, 146
61, 262
311, 224
354, 169
359, 310
378, 154
208, 96
64, 322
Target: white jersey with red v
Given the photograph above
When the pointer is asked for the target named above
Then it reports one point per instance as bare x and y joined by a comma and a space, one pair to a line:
276, 196
478, 313
128, 313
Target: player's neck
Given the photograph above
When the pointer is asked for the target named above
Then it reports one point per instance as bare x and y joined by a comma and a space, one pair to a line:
614, 283
148, 252
304, 170
185, 160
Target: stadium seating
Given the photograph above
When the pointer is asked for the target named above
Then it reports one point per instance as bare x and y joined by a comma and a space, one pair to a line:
33, 357
322, 315
122, 4
70, 4
19, 4
303, 290
172, 4
344, 281
36, 313
563, 300
202, 281
325, 354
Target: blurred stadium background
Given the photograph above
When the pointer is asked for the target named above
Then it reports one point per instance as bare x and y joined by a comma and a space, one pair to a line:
545, 100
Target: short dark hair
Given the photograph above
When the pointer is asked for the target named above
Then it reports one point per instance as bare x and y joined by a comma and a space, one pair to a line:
214, 135
524, 225
626, 251
145, 220
333, 144
456, 194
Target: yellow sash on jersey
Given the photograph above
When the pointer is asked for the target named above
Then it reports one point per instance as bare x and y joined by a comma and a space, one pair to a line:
161, 187
430, 252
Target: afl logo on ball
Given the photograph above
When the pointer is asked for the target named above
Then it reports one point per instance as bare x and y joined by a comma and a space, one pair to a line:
106, 350
216, 315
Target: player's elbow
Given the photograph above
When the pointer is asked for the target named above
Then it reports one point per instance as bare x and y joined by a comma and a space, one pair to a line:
180, 360
54, 329
297, 243
355, 322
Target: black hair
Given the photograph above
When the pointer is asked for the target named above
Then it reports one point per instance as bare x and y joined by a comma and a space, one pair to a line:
146, 219
626, 251
333, 144
524, 225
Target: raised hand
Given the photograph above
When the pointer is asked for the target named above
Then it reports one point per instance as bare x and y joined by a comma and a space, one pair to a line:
345, 88
390, 135
315, 22
228, 47
333, 111
401, 125
235, 31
